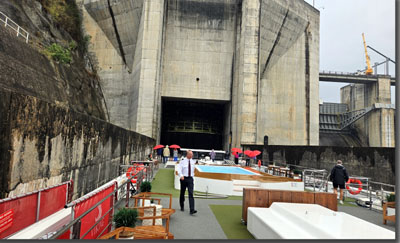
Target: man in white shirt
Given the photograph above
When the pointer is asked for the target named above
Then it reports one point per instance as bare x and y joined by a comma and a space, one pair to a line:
186, 174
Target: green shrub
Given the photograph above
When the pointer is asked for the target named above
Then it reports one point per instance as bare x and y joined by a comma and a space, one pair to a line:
72, 45
145, 186
391, 197
296, 171
59, 53
66, 15
125, 217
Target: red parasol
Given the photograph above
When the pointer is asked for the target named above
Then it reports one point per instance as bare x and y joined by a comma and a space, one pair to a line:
158, 146
254, 153
248, 152
174, 146
237, 150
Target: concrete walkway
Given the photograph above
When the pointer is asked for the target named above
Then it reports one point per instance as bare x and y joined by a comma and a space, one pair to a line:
202, 225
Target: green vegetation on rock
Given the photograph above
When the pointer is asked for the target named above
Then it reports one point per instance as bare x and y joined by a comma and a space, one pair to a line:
59, 53
66, 15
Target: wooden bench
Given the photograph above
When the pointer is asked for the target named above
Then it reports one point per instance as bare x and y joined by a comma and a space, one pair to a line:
255, 197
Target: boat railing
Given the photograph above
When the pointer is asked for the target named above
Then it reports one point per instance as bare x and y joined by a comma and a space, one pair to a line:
123, 191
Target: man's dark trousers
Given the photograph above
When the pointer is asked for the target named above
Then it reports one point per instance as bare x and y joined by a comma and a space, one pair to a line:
187, 183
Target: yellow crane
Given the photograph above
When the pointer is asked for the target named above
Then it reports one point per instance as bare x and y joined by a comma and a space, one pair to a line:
369, 69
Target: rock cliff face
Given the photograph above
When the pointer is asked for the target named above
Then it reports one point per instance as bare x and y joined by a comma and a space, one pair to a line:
43, 144
26, 70
53, 119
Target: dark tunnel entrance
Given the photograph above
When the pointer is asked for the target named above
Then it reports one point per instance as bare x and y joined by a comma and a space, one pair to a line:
192, 124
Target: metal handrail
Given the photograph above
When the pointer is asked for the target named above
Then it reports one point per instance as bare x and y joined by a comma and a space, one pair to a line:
127, 183
10, 23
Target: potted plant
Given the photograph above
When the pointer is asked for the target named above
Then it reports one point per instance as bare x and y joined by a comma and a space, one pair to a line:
145, 186
390, 197
125, 217
298, 173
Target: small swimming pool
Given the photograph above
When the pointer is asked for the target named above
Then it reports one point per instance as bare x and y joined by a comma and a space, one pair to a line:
224, 170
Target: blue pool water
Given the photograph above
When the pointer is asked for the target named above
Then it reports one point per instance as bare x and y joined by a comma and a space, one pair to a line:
224, 169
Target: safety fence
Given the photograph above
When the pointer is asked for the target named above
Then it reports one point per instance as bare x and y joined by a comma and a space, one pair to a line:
22, 211
11, 24
92, 214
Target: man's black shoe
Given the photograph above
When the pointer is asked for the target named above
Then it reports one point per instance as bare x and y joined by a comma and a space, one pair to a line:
193, 212
182, 209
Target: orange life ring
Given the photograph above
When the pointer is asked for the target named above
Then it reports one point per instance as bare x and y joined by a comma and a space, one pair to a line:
354, 181
132, 171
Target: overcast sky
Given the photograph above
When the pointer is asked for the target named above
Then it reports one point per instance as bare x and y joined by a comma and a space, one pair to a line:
342, 23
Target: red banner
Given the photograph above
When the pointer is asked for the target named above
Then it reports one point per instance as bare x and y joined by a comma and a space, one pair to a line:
95, 215
24, 208
52, 200
24, 213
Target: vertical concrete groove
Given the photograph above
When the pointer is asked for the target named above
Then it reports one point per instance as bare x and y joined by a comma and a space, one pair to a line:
258, 72
121, 49
278, 36
307, 82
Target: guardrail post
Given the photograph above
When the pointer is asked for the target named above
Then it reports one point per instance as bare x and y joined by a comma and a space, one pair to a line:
38, 207
27, 37
76, 231
18, 31
6, 22
127, 194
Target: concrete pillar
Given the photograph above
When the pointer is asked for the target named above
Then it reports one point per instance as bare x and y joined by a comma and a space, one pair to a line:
377, 127
245, 127
149, 87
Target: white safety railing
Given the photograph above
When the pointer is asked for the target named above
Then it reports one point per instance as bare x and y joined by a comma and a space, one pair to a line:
9, 23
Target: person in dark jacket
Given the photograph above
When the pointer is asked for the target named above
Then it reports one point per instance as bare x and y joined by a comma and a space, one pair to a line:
339, 177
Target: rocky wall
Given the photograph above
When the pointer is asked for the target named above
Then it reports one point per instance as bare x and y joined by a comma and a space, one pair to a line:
43, 144
373, 162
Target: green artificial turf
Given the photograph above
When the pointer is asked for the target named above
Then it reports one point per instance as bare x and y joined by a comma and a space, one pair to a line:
229, 217
351, 202
164, 182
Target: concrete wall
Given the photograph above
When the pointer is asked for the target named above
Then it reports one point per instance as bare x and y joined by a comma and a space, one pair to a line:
376, 163
377, 127
289, 73
199, 43
43, 144
262, 56
115, 76
127, 44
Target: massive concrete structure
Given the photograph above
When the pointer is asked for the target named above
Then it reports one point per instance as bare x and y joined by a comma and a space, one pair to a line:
209, 73
377, 127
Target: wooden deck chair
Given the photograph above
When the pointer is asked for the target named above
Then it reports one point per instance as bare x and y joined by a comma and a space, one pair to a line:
385, 216
150, 196
139, 234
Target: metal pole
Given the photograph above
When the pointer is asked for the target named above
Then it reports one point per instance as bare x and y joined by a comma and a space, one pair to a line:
127, 193
387, 66
376, 68
38, 207
18, 31
6, 22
